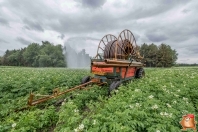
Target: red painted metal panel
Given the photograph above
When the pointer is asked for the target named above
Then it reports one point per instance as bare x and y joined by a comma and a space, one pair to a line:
117, 69
130, 72
105, 70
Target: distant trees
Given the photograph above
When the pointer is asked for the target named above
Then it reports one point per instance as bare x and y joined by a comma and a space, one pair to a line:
0, 60
158, 56
49, 55
186, 65
35, 55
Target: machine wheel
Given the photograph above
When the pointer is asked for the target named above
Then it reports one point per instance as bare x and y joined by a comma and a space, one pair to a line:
140, 73
114, 85
85, 79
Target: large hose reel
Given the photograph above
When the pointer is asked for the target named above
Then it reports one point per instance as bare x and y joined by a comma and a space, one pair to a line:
122, 47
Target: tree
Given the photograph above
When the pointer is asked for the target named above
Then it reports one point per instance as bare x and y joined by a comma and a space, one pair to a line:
44, 61
30, 54
166, 57
0, 60
152, 54
158, 56
54, 53
35, 55
149, 52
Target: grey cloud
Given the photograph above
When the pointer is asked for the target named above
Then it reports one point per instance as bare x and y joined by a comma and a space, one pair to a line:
192, 48
26, 27
32, 9
82, 38
30, 25
3, 41
156, 37
150, 21
177, 32
4, 21
62, 36
160, 7
182, 31
137, 36
36, 15
102, 21
185, 11
92, 3
98, 22
1, 53
23, 41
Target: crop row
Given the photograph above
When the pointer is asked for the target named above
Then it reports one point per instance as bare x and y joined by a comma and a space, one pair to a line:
154, 103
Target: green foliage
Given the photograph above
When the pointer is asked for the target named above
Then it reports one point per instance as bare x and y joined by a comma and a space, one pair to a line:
0, 60
158, 56
186, 65
30, 54
35, 55
156, 102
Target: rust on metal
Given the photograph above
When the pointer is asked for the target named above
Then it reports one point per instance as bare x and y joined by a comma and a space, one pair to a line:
116, 64
56, 93
120, 61
119, 48
115, 55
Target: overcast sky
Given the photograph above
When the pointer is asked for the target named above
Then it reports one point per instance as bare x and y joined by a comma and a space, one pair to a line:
82, 23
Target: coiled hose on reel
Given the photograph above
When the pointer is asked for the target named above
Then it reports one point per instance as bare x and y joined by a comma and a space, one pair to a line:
122, 47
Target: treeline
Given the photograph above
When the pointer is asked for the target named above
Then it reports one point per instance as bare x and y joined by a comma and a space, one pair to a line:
184, 64
158, 56
35, 55
49, 55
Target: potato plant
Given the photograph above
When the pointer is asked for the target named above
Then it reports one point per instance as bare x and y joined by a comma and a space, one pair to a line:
155, 103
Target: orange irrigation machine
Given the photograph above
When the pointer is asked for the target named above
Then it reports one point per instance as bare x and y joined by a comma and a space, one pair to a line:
117, 60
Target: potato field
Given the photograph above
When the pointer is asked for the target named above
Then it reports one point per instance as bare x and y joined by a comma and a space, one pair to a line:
155, 103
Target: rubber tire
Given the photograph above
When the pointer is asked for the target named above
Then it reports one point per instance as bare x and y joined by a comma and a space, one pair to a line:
114, 85
85, 79
140, 73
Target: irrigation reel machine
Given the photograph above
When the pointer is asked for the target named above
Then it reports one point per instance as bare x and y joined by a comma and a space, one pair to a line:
117, 60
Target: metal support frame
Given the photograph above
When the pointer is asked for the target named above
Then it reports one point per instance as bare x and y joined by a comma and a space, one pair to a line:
56, 92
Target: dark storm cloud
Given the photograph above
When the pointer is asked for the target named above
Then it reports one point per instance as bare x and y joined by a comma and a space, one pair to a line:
92, 3
3, 41
23, 41
4, 21
31, 25
62, 36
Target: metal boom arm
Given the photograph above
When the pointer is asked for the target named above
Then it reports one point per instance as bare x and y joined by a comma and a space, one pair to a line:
56, 93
